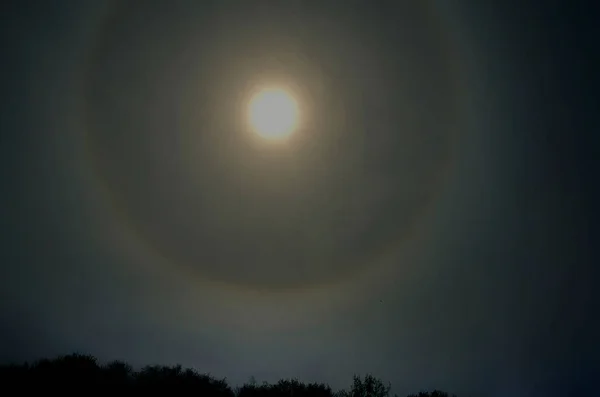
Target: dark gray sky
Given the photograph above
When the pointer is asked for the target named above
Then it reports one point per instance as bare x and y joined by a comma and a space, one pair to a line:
431, 222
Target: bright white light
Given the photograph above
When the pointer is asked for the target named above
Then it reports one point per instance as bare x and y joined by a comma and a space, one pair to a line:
273, 113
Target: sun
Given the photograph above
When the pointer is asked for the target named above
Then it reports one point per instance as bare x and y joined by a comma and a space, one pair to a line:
273, 113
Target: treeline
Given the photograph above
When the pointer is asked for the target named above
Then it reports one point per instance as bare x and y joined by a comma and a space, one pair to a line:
83, 373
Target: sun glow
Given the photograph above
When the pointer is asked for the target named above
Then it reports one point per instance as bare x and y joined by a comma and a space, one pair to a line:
273, 113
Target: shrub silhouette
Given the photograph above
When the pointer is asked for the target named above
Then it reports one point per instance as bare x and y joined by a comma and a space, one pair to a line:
435, 393
82, 373
67, 372
285, 388
117, 373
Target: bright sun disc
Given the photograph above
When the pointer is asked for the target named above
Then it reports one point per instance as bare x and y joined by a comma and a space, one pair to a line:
273, 113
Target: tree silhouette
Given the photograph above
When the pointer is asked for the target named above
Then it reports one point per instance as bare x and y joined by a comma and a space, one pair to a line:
82, 373
435, 393
370, 386
117, 374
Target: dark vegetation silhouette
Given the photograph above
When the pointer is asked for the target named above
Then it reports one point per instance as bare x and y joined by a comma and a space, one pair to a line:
83, 373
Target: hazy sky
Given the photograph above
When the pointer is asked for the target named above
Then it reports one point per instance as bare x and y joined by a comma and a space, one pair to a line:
432, 221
